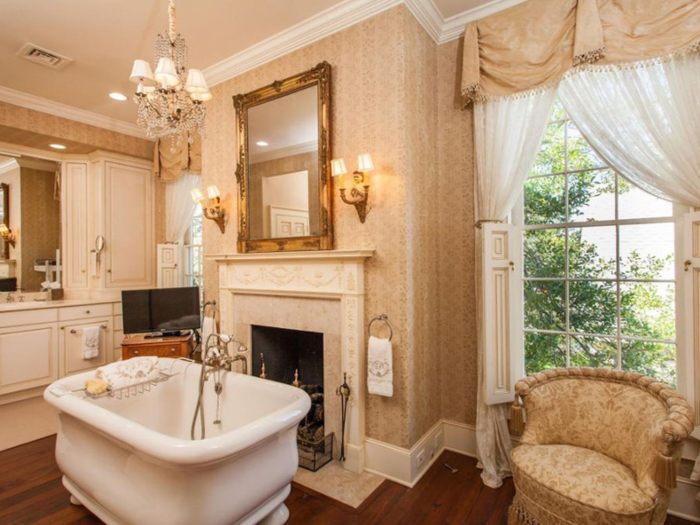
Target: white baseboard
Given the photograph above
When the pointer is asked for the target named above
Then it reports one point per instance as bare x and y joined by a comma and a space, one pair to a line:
407, 467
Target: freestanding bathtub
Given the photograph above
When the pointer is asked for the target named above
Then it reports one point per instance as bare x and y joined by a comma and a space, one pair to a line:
131, 461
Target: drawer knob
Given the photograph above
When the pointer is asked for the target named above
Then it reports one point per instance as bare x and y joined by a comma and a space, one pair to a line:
87, 311
172, 350
136, 352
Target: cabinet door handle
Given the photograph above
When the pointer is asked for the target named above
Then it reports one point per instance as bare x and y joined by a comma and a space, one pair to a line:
109, 271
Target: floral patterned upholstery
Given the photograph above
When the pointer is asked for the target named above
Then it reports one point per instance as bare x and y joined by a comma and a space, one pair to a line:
600, 446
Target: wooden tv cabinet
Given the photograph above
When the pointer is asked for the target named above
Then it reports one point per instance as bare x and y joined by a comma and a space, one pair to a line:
138, 346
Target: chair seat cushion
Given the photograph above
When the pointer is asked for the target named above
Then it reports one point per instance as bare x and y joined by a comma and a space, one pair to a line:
578, 485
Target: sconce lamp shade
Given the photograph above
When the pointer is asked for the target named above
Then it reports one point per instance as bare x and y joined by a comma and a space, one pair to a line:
197, 195
141, 72
195, 82
213, 192
166, 73
338, 167
364, 163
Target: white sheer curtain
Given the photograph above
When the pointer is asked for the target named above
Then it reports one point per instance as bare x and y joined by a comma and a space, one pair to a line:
179, 206
507, 136
643, 119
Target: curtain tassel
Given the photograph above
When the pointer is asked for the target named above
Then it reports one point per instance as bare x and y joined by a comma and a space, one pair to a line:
517, 424
665, 472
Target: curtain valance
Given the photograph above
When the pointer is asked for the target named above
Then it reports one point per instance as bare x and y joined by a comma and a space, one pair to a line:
169, 165
531, 46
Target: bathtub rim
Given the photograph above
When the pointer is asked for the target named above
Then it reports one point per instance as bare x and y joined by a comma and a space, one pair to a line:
174, 450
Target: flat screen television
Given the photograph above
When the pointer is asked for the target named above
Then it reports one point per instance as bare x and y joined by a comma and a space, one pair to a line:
165, 311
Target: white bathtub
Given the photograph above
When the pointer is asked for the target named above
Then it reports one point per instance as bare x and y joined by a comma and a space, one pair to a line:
131, 461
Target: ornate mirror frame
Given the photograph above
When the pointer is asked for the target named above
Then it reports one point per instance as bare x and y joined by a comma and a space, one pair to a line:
320, 76
5, 246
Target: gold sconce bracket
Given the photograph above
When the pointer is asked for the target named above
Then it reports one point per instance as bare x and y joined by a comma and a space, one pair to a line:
360, 200
211, 210
216, 213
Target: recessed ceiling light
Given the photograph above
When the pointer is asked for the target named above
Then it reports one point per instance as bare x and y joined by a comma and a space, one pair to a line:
118, 96
57, 146
261, 143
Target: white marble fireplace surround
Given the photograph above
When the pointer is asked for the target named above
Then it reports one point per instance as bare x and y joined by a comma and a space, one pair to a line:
311, 291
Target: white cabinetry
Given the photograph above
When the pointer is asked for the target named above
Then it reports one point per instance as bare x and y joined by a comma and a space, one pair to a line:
75, 224
28, 356
40, 345
112, 196
129, 226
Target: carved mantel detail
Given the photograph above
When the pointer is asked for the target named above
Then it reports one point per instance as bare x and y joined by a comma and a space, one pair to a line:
337, 274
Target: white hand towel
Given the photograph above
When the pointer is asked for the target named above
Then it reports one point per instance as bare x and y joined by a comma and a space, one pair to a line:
91, 342
380, 373
129, 372
208, 328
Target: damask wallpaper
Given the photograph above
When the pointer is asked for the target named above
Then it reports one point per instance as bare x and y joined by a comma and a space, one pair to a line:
386, 71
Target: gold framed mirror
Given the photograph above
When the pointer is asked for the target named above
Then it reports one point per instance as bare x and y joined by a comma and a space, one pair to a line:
5, 218
283, 175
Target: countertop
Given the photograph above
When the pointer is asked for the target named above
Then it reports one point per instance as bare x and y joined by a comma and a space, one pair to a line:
31, 304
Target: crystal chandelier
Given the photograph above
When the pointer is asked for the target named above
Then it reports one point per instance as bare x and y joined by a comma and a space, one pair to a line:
170, 101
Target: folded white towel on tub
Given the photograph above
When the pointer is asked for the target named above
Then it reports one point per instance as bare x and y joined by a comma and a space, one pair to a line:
91, 342
380, 373
130, 372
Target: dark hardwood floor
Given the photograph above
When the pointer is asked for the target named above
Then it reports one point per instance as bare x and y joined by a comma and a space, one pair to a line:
31, 493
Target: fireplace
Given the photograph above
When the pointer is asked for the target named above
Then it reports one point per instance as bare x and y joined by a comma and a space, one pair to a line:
295, 357
317, 292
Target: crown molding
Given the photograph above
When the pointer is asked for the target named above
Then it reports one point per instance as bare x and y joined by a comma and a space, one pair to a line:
25, 100
340, 17
8, 166
317, 27
453, 27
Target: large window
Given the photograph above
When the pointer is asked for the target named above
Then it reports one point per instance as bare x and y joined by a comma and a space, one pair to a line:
194, 260
599, 264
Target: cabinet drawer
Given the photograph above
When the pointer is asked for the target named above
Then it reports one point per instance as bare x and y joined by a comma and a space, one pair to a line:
71, 346
172, 350
25, 317
84, 312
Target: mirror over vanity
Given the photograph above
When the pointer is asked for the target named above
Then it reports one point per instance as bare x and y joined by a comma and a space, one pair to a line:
283, 164
30, 223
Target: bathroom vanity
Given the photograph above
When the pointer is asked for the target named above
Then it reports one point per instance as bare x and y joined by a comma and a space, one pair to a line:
41, 342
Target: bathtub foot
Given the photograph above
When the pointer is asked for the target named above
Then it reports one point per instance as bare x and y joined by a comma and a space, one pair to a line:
75, 501
278, 516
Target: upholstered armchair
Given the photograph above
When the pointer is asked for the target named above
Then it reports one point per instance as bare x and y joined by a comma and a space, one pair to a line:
599, 447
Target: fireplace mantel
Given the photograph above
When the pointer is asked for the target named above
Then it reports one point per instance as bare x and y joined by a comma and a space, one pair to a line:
336, 275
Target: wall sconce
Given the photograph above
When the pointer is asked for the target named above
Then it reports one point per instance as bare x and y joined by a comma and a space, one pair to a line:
7, 235
359, 198
211, 210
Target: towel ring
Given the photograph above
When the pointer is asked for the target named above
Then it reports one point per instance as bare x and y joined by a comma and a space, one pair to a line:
384, 318
209, 303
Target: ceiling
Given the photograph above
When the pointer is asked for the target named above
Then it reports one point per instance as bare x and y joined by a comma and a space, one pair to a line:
104, 37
